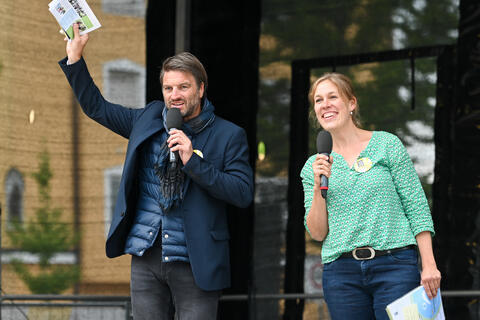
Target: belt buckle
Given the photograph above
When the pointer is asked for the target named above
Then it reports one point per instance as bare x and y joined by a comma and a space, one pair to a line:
372, 253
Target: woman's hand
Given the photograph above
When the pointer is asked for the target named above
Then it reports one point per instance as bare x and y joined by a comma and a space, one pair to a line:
431, 280
430, 274
321, 166
317, 218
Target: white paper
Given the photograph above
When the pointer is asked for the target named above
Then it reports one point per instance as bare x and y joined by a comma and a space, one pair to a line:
68, 12
416, 305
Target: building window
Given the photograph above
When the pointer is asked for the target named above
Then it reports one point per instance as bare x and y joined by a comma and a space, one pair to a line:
134, 8
124, 83
111, 180
14, 188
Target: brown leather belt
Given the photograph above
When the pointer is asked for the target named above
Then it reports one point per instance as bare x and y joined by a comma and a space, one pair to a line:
367, 253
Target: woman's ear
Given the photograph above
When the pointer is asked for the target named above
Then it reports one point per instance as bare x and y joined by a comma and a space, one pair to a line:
353, 104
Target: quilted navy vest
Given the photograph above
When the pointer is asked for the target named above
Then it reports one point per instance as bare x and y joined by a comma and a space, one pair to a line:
150, 221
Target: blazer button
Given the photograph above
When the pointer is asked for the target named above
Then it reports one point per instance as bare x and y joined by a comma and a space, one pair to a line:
122, 214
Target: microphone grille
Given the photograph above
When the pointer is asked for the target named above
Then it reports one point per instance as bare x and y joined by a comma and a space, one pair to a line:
324, 142
174, 118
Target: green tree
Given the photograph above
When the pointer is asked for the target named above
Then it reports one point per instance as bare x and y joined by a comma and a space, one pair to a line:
45, 235
308, 29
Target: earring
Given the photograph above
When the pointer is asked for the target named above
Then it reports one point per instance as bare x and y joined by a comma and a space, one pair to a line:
351, 113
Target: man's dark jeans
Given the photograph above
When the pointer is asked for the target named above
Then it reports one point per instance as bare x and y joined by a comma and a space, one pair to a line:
160, 290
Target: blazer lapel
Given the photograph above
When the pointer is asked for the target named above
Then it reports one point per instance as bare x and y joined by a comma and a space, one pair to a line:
200, 140
150, 123
198, 143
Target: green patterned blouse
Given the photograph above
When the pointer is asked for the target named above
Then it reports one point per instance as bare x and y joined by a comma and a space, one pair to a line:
384, 207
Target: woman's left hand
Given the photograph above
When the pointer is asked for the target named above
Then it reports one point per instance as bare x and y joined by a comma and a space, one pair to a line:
430, 274
431, 280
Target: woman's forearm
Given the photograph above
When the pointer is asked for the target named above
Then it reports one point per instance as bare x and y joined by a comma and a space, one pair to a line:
424, 241
317, 218
430, 274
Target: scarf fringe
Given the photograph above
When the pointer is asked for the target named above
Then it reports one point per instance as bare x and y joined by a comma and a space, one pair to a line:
171, 178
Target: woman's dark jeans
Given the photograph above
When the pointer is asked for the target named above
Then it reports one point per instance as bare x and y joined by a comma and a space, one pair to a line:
361, 290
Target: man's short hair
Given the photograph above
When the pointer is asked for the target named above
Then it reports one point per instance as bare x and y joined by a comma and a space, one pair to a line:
185, 62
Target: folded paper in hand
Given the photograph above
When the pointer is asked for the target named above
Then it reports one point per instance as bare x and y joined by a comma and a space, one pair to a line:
416, 305
68, 12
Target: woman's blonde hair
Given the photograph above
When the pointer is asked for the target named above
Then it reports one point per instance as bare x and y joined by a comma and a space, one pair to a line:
345, 89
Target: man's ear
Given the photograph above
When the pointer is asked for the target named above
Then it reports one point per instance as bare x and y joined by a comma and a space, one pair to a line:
201, 89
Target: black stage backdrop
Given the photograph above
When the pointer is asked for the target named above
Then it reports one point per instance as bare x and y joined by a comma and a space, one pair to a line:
224, 35
457, 170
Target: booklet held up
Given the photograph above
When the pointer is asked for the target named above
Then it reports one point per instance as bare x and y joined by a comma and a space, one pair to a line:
416, 305
68, 12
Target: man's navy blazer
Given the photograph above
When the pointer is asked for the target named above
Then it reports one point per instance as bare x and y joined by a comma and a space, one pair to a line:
222, 176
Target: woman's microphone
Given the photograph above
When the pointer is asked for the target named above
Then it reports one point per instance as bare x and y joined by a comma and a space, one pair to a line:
324, 146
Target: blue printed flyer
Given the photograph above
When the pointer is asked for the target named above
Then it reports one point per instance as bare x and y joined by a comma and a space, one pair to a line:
416, 305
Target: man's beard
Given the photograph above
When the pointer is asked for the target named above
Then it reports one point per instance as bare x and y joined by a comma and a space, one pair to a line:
190, 105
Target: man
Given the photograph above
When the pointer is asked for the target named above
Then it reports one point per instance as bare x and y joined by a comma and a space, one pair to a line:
171, 218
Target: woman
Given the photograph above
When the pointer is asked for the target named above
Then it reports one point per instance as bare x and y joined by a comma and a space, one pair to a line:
375, 213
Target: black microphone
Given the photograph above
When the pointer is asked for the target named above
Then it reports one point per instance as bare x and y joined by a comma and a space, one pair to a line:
324, 146
174, 121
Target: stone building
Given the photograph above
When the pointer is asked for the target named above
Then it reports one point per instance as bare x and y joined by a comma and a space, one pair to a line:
38, 112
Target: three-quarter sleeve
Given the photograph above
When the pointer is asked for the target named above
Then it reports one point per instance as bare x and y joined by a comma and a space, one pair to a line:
409, 188
307, 181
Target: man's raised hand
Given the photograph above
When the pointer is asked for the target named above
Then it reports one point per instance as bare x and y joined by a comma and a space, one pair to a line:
76, 45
